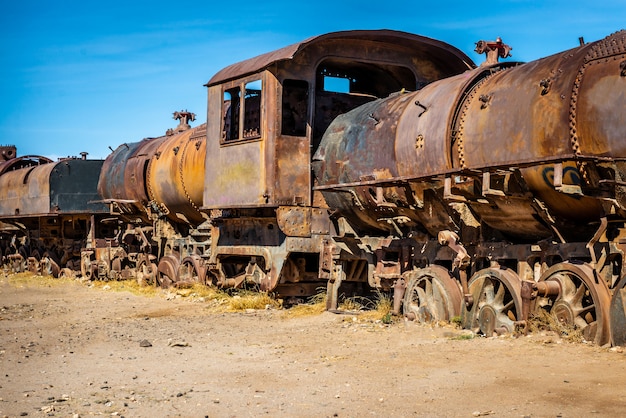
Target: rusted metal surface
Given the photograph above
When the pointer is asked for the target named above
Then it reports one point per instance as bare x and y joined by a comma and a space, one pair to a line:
282, 158
617, 314
162, 175
64, 187
175, 175
497, 301
506, 153
7, 152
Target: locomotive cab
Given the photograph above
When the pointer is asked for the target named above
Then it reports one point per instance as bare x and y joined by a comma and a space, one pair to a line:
266, 117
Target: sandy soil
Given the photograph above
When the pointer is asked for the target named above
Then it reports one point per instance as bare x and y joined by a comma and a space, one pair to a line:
71, 350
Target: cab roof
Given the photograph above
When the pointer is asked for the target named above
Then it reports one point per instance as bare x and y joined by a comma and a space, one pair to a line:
441, 52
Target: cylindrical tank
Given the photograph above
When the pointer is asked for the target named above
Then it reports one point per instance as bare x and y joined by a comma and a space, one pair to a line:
161, 176
175, 175
63, 187
122, 179
491, 120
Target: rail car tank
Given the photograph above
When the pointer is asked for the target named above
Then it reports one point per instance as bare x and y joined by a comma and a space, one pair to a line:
492, 194
47, 209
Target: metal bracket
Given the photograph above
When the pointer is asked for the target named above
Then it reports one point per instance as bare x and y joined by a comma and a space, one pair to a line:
564, 188
487, 190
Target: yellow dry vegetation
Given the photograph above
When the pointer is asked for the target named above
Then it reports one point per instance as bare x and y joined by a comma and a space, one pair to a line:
543, 321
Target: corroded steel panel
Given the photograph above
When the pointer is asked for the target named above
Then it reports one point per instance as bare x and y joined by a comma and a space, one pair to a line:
25, 191
275, 169
73, 187
423, 125
65, 187
599, 99
175, 172
122, 179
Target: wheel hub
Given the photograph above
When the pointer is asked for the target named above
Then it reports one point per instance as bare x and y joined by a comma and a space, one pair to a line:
487, 320
563, 312
424, 315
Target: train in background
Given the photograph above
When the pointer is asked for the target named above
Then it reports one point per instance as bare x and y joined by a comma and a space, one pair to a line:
48, 211
381, 160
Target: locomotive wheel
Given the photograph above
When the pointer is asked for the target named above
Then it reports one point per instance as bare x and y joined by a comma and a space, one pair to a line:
582, 303
146, 273
190, 271
86, 269
497, 301
618, 314
33, 262
431, 295
49, 267
67, 273
167, 271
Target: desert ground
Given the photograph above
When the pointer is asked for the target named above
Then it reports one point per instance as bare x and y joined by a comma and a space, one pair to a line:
73, 349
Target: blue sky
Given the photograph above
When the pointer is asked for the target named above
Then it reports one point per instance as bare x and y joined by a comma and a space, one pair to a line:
85, 75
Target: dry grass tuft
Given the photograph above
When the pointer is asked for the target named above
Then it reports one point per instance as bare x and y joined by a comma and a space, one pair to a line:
30, 279
218, 300
372, 310
316, 305
244, 300
543, 321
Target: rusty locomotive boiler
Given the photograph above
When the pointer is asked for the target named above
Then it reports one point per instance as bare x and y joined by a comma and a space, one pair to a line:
47, 211
492, 194
154, 190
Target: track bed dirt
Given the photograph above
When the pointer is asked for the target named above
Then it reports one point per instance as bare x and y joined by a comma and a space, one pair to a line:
71, 350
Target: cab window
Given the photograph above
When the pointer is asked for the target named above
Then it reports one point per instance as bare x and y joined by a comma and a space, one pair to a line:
295, 107
242, 99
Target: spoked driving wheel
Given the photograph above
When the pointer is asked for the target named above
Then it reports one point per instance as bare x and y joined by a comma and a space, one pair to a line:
497, 301
191, 271
583, 300
431, 295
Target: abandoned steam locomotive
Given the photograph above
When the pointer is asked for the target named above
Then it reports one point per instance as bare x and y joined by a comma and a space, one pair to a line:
367, 160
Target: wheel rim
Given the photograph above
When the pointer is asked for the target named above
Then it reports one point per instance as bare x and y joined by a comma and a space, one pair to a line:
190, 271
431, 295
618, 314
146, 273
49, 265
497, 301
167, 271
582, 303
85, 266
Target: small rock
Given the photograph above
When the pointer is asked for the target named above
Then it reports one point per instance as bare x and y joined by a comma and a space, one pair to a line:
173, 343
145, 343
106, 287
